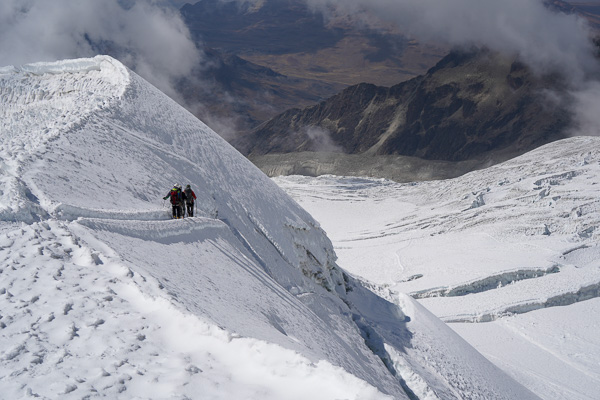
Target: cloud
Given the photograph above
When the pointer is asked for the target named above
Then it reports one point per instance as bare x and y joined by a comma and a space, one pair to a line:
148, 36
585, 105
321, 140
544, 39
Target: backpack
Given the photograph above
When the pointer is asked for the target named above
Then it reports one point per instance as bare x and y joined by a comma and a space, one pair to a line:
175, 197
188, 196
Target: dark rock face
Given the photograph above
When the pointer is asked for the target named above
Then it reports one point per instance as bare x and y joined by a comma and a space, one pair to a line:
245, 94
471, 105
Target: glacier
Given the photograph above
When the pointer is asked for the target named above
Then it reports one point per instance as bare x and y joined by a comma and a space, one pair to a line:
103, 295
518, 275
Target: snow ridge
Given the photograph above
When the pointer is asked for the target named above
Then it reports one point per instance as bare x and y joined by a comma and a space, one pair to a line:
31, 94
89, 149
40, 101
86, 225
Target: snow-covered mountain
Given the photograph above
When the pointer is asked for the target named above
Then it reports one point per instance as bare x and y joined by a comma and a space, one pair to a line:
507, 256
103, 295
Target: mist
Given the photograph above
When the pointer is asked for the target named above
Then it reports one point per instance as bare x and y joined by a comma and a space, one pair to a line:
321, 140
542, 38
148, 36
546, 40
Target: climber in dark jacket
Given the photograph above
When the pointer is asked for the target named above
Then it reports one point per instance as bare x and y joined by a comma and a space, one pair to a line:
190, 198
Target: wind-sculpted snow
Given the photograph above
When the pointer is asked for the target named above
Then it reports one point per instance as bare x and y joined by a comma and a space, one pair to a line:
39, 102
69, 213
244, 300
77, 323
158, 231
90, 144
121, 154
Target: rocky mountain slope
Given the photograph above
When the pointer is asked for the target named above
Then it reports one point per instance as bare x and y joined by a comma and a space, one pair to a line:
310, 57
474, 107
265, 57
269, 56
232, 94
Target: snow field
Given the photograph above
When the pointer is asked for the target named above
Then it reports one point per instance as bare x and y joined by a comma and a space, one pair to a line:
95, 331
514, 242
561, 340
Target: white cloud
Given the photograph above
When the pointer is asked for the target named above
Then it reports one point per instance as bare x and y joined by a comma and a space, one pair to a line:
543, 38
546, 40
146, 35
321, 140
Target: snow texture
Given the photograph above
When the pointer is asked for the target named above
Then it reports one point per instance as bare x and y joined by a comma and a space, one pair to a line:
103, 295
508, 256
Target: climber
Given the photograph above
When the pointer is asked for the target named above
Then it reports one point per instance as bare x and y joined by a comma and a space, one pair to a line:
190, 198
176, 196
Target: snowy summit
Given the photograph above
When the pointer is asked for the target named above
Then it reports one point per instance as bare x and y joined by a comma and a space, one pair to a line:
103, 295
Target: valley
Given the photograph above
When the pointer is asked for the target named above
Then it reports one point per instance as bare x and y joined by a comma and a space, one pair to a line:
312, 113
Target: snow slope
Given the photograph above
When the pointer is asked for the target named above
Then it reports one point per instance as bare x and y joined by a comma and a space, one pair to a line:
508, 256
102, 295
